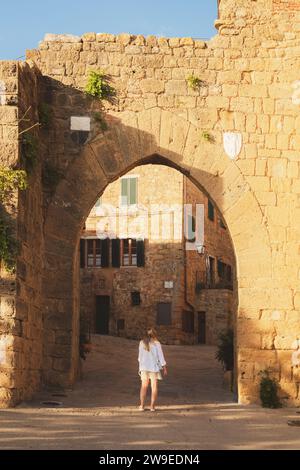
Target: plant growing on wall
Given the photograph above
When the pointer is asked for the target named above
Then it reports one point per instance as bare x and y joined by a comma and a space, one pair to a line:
195, 83
10, 180
50, 176
99, 87
225, 349
45, 115
268, 391
208, 137
9, 246
29, 151
99, 119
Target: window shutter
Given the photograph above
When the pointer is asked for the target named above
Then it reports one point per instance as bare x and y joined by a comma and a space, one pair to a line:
105, 253
124, 192
140, 251
115, 253
133, 191
82, 253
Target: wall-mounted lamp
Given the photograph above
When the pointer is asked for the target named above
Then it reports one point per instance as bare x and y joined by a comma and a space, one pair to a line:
200, 249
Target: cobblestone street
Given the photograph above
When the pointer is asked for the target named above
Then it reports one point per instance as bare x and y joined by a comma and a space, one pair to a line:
194, 411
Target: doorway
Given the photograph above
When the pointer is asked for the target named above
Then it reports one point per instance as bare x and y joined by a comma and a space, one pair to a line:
102, 314
202, 327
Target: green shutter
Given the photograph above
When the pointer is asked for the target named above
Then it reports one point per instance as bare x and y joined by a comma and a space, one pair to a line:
133, 190
124, 191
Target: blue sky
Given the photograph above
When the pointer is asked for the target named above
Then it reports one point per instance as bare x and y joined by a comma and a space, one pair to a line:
24, 22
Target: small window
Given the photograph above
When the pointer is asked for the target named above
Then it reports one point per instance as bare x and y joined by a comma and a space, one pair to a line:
128, 191
191, 228
211, 211
94, 253
164, 313
211, 272
221, 223
132, 252
188, 324
98, 202
221, 270
135, 298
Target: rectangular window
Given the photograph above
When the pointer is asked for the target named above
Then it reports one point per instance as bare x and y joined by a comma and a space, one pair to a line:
211, 211
94, 253
221, 223
135, 298
132, 252
225, 275
188, 324
191, 228
129, 191
211, 272
164, 313
90, 253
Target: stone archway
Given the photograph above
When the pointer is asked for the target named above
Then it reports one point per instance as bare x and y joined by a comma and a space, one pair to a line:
133, 139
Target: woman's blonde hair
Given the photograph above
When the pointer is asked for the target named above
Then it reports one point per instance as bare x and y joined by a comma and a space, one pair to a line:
150, 335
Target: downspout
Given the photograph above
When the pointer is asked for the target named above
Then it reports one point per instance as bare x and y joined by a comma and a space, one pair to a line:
186, 300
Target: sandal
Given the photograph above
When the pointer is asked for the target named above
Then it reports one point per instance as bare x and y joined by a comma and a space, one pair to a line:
152, 409
141, 408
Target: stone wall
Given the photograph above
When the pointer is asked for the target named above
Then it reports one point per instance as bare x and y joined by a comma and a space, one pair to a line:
21, 319
250, 86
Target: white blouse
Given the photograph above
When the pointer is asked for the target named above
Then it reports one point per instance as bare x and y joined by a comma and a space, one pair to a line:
152, 360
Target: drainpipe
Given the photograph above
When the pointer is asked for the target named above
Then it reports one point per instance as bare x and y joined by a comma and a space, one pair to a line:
184, 250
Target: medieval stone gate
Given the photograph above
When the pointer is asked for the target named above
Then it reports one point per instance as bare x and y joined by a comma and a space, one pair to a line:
248, 96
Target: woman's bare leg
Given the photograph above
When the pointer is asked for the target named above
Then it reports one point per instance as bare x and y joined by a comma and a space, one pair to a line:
143, 392
154, 392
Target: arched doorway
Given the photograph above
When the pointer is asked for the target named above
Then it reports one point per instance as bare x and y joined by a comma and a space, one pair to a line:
134, 139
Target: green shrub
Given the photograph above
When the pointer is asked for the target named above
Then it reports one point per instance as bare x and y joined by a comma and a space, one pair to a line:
98, 86
225, 349
11, 180
268, 391
29, 151
208, 137
9, 246
98, 117
45, 114
195, 83
50, 176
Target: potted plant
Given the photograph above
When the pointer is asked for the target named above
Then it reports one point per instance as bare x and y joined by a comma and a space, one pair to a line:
225, 354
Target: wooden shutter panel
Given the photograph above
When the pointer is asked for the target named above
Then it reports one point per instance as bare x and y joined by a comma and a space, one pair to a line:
124, 192
105, 253
133, 190
140, 252
82, 253
116, 253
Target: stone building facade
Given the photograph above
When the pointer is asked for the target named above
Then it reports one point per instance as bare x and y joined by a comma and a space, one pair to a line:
175, 289
248, 101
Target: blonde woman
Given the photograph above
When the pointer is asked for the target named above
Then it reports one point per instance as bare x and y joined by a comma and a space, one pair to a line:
151, 362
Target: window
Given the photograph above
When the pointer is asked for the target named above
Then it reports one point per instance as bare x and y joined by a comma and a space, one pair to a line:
132, 252
164, 310
211, 272
94, 253
135, 298
98, 202
128, 191
188, 324
225, 275
200, 281
221, 223
211, 211
191, 228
